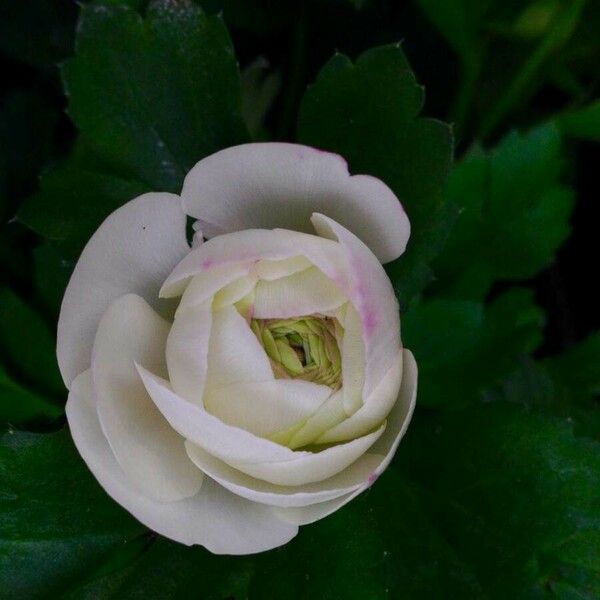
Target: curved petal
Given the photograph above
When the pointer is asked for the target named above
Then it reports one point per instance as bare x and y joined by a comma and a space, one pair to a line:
215, 518
187, 351
205, 284
256, 490
386, 446
311, 467
280, 185
149, 451
372, 294
328, 415
133, 251
243, 249
304, 293
374, 410
268, 270
266, 407
235, 354
353, 360
194, 423
401, 414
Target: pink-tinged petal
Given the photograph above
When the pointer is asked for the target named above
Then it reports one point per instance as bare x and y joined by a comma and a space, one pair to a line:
256, 490
372, 294
280, 185
148, 450
133, 251
223, 522
243, 249
384, 449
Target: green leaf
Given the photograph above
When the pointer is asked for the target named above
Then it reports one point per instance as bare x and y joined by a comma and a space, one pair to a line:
74, 198
21, 406
515, 213
566, 385
459, 21
486, 344
516, 496
582, 123
153, 96
56, 522
26, 342
369, 113
379, 546
165, 569
51, 272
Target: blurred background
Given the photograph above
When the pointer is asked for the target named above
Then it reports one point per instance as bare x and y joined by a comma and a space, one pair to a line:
491, 69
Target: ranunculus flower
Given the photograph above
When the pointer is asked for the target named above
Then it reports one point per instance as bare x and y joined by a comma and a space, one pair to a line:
227, 393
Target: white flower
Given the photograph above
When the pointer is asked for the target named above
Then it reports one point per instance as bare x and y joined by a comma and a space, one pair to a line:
226, 393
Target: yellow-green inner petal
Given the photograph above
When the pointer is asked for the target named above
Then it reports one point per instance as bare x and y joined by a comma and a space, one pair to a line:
303, 348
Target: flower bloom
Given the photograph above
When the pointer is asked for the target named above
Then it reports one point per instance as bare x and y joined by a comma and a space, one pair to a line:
228, 392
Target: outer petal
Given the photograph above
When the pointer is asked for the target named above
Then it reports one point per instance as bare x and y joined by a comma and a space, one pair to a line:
134, 250
194, 423
248, 453
311, 467
148, 450
371, 293
386, 446
343, 483
280, 185
215, 518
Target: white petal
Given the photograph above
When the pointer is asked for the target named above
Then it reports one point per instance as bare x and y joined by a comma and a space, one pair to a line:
235, 354
401, 413
372, 294
326, 417
372, 412
311, 467
187, 351
386, 446
234, 291
133, 251
205, 284
200, 427
353, 360
256, 490
280, 185
149, 451
303, 293
215, 518
266, 407
269, 270
243, 249
304, 515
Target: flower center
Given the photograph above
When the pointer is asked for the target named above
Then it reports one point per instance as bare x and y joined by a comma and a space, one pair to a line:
303, 348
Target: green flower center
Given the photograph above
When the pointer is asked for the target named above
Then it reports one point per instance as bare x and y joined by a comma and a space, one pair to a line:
303, 348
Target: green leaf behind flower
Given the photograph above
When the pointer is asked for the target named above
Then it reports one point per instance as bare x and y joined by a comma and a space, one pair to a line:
515, 213
368, 112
